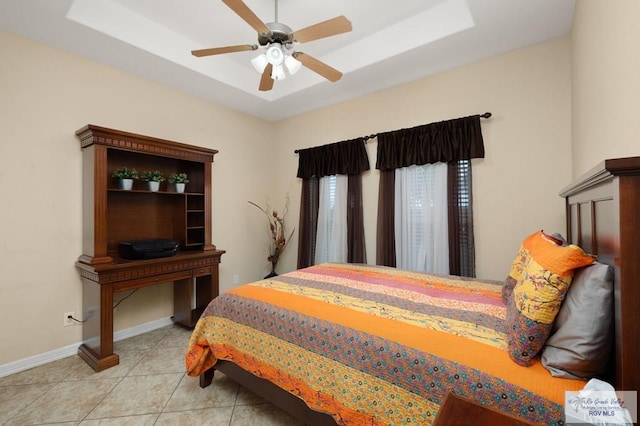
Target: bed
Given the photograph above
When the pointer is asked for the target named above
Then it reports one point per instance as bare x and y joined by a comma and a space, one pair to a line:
363, 344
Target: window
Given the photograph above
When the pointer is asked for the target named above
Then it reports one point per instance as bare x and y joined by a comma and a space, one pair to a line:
339, 234
331, 234
421, 226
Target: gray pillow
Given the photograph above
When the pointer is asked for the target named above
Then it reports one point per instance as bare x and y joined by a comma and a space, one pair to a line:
580, 343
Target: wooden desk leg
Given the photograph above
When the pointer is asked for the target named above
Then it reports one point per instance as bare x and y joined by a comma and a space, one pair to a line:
97, 330
215, 284
205, 284
182, 294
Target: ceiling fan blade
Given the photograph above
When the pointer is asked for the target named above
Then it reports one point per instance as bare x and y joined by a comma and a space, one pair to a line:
243, 11
323, 29
319, 67
221, 50
266, 82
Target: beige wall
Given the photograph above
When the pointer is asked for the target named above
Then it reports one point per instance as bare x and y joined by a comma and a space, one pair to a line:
606, 82
527, 142
584, 88
45, 96
48, 94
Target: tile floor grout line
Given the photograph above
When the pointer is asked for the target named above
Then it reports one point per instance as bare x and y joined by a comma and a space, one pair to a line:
172, 393
146, 352
31, 403
142, 349
103, 398
73, 370
235, 404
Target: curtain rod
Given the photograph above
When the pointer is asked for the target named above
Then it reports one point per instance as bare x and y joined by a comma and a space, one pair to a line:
366, 138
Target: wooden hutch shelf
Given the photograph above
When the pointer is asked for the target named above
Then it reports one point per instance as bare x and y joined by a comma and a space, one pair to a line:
112, 215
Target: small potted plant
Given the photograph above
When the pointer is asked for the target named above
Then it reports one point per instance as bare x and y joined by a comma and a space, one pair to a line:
125, 177
154, 177
178, 180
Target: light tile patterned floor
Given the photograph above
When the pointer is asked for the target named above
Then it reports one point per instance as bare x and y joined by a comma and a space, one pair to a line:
148, 387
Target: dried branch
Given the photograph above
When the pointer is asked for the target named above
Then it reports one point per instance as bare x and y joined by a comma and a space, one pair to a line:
276, 228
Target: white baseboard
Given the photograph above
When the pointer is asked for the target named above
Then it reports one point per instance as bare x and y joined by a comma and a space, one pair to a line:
56, 354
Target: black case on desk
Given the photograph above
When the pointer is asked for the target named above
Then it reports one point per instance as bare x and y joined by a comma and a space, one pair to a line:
148, 249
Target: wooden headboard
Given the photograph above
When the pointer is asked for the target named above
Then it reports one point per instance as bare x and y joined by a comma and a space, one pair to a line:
603, 217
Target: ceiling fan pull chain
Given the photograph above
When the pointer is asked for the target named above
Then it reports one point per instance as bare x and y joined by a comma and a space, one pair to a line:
276, 2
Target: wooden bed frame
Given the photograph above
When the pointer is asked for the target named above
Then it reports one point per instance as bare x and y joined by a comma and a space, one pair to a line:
603, 217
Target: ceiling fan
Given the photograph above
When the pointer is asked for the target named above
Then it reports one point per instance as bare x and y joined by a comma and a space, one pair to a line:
280, 42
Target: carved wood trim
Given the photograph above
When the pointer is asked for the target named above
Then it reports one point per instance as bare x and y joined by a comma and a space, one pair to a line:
116, 272
96, 135
602, 172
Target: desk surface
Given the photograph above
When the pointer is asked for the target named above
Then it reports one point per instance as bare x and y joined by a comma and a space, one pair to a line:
124, 269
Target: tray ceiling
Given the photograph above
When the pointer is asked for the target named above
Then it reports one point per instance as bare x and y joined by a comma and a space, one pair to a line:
391, 42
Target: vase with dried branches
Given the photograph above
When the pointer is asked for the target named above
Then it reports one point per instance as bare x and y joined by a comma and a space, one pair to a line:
276, 229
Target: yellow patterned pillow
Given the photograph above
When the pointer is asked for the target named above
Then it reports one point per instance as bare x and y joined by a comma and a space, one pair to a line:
517, 269
519, 265
539, 292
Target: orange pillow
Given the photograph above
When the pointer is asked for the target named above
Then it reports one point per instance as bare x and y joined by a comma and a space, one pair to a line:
518, 266
539, 292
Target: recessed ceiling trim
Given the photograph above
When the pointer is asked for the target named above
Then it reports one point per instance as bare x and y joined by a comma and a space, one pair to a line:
122, 24
379, 27
443, 19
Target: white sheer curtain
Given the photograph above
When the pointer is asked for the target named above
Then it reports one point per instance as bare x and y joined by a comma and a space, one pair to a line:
331, 236
421, 225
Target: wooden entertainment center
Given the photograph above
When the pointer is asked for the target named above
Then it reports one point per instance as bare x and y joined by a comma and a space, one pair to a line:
112, 215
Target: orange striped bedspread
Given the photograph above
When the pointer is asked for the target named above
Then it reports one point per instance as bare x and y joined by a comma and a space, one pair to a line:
376, 345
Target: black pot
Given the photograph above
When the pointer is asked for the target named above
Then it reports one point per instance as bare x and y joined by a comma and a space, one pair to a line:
271, 275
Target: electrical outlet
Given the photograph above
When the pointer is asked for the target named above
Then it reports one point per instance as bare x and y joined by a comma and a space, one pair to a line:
68, 321
236, 279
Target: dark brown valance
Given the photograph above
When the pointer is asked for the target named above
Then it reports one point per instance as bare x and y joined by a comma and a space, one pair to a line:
340, 158
444, 141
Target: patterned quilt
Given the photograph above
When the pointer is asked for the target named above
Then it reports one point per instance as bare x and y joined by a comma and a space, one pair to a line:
376, 345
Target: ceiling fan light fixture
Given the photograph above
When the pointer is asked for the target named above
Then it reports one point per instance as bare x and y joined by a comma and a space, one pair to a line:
274, 54
278, 42
293, 65
277, 73
260, 62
